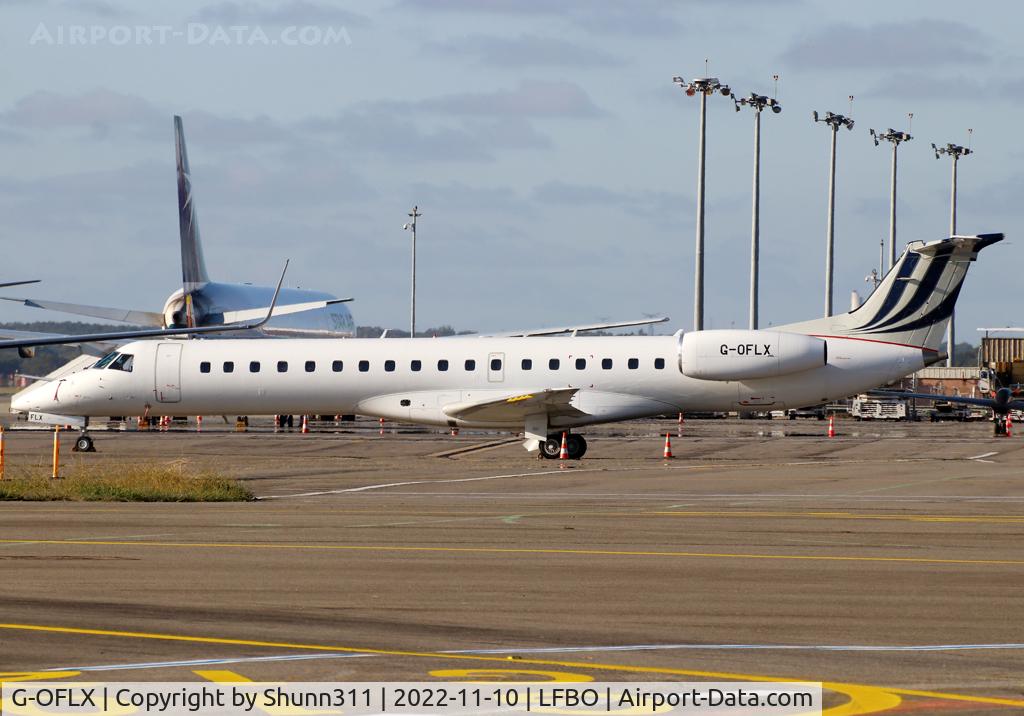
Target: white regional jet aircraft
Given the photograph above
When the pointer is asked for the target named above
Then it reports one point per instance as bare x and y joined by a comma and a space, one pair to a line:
540, 386
202, 302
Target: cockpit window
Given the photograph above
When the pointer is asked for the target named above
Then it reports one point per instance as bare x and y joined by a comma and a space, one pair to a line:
123, 362
105, 360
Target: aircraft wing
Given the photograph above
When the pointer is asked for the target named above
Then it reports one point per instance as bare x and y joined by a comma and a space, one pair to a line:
126, 315
576, 329
18, 283
66, 339
516, 406
252, 314
146, 333
1016, 404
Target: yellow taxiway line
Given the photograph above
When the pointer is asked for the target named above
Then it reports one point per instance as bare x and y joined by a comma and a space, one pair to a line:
510, 550
864, 698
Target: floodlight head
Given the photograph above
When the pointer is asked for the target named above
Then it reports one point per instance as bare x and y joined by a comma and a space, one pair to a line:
690, 91
815, 115
725, 90
849, 124
776, 107
405, 226
679, 80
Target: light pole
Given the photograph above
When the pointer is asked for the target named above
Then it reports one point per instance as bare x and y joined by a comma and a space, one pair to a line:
954, 151
834, 121
896, 138
705, 86
757, 102
411, 226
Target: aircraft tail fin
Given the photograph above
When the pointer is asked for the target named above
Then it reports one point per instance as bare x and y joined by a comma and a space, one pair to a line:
193, 266
915, 299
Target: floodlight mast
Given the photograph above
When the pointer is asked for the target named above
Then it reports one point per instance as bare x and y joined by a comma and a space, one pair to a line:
411, 226
896, 138
954, 151
757, 103
704, 86
834, 121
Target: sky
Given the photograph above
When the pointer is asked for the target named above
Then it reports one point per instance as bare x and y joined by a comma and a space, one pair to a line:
552, 158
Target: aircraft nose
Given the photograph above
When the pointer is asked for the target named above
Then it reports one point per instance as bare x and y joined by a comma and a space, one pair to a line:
31, 398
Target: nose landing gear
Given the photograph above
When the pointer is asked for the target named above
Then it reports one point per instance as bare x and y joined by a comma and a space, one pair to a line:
83, 443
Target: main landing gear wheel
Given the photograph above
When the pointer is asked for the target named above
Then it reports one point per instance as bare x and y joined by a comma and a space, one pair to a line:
83, 443
575, 445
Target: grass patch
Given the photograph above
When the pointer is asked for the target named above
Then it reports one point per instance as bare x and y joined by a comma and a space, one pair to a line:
81, 482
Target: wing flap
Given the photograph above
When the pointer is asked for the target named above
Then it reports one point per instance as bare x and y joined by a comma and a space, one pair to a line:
514, 407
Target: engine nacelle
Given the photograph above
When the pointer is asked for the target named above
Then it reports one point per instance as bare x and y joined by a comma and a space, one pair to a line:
743, 355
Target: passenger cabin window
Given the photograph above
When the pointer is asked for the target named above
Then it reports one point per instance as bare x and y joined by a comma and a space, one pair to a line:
254, 366
389, 366
229, 366
527, 364
310, 366
364, 366
553, 364
470, 364
442, 365
606, 363
124, 362
337, 365
105, 360
204, 367
659, 363
633, 363
581, 363
415, 366
495, 363
282, 366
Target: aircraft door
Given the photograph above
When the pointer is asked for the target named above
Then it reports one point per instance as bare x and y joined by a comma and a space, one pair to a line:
167, 379
495, 367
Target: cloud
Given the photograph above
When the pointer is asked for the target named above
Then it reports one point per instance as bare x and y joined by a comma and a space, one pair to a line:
636, 17
296, 12
920, 43
532, 98
99, 110
521, 51
393, 130
919, 85
650, 204
98, 8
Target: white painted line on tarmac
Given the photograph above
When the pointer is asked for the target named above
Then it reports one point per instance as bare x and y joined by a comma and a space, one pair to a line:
724, 647
207, 662
182, 663
981, 458
386, 485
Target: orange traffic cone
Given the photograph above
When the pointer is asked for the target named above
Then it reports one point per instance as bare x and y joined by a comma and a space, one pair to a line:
199, 423
277, 423
1009, 425
563, 454
382, 426
668, 448
831, 426
455, 432
305, 425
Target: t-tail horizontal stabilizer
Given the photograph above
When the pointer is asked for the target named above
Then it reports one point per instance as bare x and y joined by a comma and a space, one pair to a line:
915, 299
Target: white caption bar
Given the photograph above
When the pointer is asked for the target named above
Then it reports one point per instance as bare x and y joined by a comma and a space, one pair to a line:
408, 698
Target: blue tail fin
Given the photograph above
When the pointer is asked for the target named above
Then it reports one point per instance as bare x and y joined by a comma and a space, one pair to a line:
914, 301
193, 266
